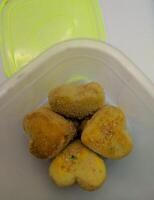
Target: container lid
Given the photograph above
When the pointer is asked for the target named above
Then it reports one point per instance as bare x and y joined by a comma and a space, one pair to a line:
32, 26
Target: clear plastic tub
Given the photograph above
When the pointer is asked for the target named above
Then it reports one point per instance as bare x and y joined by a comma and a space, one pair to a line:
23, 176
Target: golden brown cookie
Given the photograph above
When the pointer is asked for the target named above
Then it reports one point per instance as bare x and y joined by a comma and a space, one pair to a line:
77, 164
106, 133
77, 101
49, 132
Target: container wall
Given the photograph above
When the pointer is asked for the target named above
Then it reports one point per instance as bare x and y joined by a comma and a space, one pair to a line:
76, 62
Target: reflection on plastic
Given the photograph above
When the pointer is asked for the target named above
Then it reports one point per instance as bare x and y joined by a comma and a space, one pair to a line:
30, 27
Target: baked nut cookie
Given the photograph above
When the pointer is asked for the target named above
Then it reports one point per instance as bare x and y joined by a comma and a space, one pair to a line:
106, 134
49, 132
77, 164
77, 101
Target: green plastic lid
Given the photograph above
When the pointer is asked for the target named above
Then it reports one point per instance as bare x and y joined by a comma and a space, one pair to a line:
27, 28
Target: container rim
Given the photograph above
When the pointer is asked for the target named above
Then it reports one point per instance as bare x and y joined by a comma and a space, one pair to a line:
104, 47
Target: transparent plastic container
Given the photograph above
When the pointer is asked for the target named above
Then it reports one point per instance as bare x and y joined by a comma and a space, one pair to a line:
27, 28
23, 176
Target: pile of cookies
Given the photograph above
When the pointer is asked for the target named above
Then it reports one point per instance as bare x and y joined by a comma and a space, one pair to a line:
77, 130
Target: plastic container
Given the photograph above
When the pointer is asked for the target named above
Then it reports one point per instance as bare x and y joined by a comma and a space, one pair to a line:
32, 26
23, 176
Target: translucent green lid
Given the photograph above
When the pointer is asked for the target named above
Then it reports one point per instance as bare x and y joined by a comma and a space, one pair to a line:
28, 27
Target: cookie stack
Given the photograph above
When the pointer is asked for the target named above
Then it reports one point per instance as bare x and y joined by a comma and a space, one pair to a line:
76, 129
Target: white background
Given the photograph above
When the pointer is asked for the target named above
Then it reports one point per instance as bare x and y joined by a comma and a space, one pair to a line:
130, 27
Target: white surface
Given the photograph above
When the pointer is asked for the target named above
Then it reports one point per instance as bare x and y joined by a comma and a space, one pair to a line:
24, 177
130, 27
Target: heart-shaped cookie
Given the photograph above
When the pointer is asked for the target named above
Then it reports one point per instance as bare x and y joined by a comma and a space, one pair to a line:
49, 132
77, 164
106, 134
77, 101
